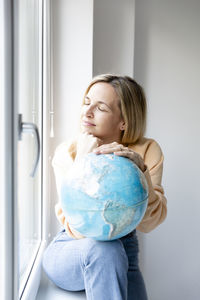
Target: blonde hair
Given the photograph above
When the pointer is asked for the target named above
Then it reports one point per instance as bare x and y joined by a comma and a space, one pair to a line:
132, 103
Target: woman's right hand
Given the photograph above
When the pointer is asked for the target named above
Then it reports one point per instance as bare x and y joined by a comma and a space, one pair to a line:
86, 143
61, 218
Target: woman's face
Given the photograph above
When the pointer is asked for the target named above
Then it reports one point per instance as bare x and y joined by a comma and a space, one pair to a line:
101, 115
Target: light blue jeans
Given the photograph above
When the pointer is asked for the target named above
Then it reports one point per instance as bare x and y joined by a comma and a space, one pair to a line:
105, 270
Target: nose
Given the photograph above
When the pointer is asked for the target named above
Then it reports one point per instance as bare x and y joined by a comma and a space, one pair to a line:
89, 112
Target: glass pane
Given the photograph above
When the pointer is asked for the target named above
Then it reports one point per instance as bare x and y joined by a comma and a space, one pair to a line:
29, 101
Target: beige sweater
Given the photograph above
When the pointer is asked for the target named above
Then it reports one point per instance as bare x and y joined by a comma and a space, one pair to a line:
153, 158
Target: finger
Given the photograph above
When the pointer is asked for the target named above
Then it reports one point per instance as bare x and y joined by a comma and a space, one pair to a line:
105, 150
125, 154
109, 148
111, 145
134, 158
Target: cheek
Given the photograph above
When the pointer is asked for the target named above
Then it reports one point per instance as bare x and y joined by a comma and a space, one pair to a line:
109, 122
105, 118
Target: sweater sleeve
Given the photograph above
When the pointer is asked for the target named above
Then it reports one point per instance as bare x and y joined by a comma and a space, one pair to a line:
157, 204
61, 163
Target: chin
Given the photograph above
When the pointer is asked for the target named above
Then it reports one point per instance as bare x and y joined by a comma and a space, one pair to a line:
87, 130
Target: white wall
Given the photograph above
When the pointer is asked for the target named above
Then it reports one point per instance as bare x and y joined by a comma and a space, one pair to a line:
113, 36
72, 71
72, 60
167, 63
167, 48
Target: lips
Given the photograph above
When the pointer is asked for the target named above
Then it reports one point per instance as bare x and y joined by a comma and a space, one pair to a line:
86, 123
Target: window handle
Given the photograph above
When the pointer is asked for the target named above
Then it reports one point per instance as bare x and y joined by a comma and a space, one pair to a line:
24, 127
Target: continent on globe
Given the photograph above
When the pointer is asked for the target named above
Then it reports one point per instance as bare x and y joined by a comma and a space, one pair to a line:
104, 196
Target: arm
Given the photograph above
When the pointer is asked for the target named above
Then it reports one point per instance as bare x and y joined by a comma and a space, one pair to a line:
63, 159
61, 163
157, 204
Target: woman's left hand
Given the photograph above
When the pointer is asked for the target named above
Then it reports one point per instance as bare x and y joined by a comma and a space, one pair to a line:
119, 149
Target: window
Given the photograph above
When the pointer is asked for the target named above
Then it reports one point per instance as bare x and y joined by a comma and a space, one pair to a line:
28, 82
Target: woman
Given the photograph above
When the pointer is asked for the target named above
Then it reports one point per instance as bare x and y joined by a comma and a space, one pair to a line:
113, 120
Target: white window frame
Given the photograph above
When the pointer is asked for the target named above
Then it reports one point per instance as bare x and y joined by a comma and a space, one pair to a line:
8, 215
33, 282
9, 277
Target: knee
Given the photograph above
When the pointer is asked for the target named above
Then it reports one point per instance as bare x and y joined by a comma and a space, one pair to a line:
109, 252
48, 262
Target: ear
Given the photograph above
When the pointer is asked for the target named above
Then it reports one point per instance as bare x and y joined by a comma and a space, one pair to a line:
122, 126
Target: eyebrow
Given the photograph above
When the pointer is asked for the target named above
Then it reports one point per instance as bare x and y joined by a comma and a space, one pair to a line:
100, 102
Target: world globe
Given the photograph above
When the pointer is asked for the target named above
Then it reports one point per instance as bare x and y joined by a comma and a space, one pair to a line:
104, 196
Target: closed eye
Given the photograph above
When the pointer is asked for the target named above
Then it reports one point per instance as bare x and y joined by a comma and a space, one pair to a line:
86, 101
100, 105
101, 108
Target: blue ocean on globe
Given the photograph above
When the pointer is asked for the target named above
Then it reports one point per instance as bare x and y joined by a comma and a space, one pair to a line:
104, 196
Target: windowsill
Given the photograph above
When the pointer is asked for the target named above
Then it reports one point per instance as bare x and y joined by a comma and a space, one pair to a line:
28, 253
33, 281
49, 291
